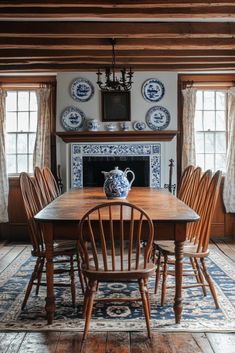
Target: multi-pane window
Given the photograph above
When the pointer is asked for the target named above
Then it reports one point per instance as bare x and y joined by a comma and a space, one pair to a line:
21, 124
210, 129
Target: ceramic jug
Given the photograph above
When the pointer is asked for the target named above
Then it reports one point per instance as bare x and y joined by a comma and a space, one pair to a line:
116, 184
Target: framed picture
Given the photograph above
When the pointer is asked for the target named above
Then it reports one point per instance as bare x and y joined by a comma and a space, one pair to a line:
116, 106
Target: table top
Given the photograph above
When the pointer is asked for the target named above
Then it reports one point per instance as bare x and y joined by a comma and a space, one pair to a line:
158, 203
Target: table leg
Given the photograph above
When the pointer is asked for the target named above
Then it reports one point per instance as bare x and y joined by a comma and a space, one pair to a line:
178, 307
50, 299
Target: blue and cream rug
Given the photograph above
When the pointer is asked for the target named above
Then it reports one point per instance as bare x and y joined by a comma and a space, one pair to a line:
199, 312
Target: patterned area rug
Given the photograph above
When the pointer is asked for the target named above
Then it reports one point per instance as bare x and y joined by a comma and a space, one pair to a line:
199, 312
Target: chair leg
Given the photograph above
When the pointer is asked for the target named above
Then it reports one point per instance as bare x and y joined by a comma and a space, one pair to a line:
71, 272
92, 291
80, 275
147, 295
145, 305
200, 276
31, 281
158, 272
39, 276
85, 300
210, 282
164, 280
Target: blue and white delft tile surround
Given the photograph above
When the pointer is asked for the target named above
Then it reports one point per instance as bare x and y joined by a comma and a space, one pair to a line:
78, 150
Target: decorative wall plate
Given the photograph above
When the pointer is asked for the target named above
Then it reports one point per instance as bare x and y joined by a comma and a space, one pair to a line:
72, 118
158, 118
81, 90
139, 125
153, 90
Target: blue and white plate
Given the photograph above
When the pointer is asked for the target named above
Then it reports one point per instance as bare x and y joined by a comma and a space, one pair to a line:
72, 118
153, 90
139, 125
81, 90
158, 118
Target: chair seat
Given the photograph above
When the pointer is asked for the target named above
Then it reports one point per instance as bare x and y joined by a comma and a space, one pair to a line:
190, 249
125, 275
60, 248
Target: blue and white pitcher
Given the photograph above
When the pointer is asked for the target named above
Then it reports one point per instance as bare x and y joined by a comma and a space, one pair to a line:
116, 184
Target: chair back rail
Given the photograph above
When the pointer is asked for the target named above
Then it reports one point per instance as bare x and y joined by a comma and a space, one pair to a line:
208, 211
190, 189
118, 227
201, 231
184, 180
42, 187
199, 201
51, 183
32, 206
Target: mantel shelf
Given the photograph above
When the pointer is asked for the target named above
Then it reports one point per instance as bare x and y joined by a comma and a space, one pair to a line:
117, 136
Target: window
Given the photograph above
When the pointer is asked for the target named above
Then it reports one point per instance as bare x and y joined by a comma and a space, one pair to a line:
211, 129
21, 125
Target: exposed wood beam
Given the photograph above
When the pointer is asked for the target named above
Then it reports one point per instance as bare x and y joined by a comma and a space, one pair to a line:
93, 67
9, 54
201, 11
117, 30
123, 44
83, 54
133, 61
113, 4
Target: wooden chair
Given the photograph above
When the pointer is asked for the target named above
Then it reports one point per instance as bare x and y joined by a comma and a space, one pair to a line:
118, 227
190, 189
184, 180
42, 188
52, 185
68, 250
196, 246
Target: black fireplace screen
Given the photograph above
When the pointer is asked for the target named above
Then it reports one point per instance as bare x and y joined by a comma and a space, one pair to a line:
93, 166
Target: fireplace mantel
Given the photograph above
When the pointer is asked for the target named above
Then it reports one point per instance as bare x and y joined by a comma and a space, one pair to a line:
118, 136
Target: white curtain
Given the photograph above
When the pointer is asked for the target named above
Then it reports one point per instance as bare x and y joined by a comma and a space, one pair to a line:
229, 182
42, 149
188, 146
4, 187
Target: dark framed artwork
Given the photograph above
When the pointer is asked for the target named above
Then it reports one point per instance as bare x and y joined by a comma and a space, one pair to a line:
116, 106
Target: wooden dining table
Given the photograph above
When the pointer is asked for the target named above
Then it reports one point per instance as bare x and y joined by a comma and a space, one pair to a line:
60, 219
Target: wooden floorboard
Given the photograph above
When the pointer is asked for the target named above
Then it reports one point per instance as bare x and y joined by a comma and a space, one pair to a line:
114, 342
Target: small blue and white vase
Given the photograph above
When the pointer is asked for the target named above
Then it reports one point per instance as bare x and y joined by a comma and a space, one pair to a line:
116, 184
92, 125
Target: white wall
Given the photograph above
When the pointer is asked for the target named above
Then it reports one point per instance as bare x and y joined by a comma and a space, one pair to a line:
139, 108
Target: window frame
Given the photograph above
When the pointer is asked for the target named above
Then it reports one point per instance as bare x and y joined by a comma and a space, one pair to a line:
17, 132
200, 81
217, 89
34, 82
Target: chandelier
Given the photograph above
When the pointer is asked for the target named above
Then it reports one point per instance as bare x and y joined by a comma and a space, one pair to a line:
112, 83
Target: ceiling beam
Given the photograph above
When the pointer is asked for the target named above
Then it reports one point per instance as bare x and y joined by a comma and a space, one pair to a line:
83, 54
203, 10
123, 44
113, 4
132, 61
117, 30
92, 67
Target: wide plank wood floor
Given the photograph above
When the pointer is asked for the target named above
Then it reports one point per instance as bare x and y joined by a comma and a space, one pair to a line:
113, 342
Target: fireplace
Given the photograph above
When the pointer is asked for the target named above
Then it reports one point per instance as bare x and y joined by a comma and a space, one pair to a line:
88, 160
93, 166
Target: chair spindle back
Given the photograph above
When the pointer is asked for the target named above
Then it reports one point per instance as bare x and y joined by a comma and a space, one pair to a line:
32, 206
51, 183
184, 180
118, 228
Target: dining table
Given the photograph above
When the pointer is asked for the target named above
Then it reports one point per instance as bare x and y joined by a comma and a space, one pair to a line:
60, 219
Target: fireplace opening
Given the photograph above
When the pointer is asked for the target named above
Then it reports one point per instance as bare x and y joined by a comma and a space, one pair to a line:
93, 166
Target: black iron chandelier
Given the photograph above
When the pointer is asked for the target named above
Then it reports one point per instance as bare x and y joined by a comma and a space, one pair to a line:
112, 83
